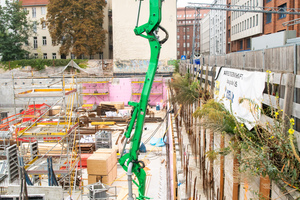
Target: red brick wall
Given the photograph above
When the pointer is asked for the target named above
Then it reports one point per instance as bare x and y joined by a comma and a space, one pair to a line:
276, 23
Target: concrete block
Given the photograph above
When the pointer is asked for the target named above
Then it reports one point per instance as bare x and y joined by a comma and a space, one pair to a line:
50, 192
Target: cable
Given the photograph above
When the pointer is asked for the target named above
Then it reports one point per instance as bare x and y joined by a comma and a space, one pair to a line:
157, 128
166, 37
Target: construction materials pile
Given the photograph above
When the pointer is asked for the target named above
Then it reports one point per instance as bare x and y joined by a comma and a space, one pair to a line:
102, 166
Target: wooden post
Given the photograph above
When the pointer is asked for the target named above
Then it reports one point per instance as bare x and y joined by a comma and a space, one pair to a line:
235, 191
201, 77
264, 188
211, 163
206, 79
213, 82
288, 100
222, 169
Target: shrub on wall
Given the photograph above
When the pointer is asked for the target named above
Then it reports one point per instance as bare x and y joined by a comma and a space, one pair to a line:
39, 64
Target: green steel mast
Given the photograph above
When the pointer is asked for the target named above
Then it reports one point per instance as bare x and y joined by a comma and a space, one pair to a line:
129, 161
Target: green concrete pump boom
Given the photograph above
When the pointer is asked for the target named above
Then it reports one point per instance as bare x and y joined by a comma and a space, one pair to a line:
129, 161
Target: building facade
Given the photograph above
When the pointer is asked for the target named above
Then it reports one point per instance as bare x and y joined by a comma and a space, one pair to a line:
204, 34
243, 26
185, 31
128, 46
274, 22
218, 30
40, 43
3, 2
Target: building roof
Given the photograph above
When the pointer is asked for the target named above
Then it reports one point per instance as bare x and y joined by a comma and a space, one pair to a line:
34, 2
190, 13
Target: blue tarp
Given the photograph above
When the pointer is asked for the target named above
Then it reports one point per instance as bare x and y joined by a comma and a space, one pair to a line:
158, 142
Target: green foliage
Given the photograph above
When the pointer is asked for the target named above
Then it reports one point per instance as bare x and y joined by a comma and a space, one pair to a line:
39, 64
216, 117
77, 26
187, 90
264, 150
14, 31
175, 63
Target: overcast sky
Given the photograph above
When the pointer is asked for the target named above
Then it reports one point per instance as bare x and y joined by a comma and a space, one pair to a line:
183, 3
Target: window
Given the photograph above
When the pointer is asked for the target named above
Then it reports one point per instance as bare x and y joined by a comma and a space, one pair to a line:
34, 27
44, 40
33, 12
44, 25
250, 2
267, 1
188, 53
178, 37
35, 44
45, 56
188, 37
25, 10
250, 22
178, 53
183, 29
247, 23
248, 44
43, 9
269, 18
100, 56
282, 8
178, 45
228, 33
187, 29
184, 37
256, 19
243, 26
183, 44
253, 21
187, 44
241, 44
36, 55
177, 30
184, 53
53, 55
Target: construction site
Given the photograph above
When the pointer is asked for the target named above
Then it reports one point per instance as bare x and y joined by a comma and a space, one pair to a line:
226, 127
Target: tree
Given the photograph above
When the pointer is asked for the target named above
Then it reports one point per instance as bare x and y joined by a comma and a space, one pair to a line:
15, 29
77, 25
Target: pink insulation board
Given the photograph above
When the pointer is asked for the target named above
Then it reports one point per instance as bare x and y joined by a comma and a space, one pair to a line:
124, 90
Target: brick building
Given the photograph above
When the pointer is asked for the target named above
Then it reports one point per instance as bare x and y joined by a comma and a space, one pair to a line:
185, 27
242, 26
273, 22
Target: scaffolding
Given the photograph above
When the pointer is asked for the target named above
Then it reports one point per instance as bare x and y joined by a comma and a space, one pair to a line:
94, 91
156, 91
50, 132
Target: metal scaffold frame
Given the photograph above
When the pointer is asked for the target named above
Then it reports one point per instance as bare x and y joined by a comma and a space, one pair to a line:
59, 130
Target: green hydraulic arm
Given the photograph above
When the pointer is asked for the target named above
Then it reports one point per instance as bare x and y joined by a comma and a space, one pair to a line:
129, 161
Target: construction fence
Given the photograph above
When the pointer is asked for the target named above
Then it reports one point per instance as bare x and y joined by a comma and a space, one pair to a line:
220, 178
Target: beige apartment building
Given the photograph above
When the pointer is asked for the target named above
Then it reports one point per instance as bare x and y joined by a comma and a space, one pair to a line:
40, 44
127, 46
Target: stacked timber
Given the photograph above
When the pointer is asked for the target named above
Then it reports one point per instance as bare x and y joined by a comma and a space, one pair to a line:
103, 108
102, 166
117, 105
56, 149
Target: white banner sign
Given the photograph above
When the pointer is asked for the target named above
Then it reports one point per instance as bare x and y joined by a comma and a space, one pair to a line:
234, 85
